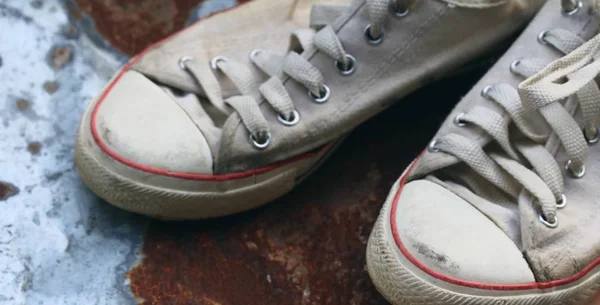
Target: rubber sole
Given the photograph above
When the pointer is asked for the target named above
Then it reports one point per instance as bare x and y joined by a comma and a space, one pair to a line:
403, 283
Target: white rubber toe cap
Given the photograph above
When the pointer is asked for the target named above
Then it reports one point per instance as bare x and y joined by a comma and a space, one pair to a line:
138, 121
448, 235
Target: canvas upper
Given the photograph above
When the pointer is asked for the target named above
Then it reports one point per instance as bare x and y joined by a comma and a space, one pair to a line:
178, 108
506, 196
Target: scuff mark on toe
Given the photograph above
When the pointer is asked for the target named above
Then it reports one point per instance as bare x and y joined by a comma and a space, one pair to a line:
442, 260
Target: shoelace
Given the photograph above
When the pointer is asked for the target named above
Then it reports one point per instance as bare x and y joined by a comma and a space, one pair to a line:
292, 65
542, 92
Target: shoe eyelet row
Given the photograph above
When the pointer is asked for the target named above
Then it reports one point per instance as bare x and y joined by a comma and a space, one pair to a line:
575, 173
325, 91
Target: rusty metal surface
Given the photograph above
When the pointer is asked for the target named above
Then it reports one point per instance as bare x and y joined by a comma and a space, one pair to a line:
130, 26
307, 247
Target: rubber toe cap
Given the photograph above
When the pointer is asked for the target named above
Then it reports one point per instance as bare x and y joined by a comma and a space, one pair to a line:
451, 237
138, 121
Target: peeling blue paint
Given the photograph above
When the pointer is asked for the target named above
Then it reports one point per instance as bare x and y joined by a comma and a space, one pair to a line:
59, 244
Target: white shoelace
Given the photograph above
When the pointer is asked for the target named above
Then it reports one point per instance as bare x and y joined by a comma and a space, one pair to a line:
542, 92
293, 65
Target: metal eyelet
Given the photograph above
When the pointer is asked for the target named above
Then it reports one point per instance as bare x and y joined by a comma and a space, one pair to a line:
563, 202
575, 173
371, 40
593, 140
324, 95
183, 60
254, 52
293, 121
542, 37
431, 146
347, 70
458, 120
575, 7
394, 9
514, 64
261, 145
401, 14
485, 92
549, 224
215, 60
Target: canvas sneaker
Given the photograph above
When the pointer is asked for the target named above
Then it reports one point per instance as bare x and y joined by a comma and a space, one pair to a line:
502, 207
202, 125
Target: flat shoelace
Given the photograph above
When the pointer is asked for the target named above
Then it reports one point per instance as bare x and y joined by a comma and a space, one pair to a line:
292, 65
542, 92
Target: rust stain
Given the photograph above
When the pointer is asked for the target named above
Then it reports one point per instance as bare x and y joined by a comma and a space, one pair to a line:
130, 26
22, 104
309, 246
60, 56
51, 86
34, 147
70, 31
7, 190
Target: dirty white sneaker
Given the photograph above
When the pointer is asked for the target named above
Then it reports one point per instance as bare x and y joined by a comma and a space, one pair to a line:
201, 126
502, 207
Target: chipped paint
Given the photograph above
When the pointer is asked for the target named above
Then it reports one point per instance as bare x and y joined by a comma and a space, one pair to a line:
7, 190
22, 104
59, 244
51, 86
60, 56
34, 147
